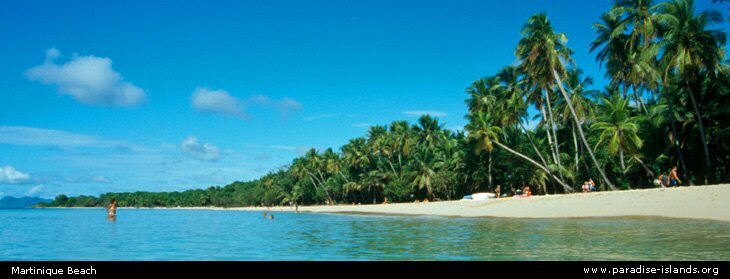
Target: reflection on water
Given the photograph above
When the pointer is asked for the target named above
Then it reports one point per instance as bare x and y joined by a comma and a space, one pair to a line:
85, 234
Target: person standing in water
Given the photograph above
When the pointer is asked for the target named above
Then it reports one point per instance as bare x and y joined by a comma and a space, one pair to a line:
111, 210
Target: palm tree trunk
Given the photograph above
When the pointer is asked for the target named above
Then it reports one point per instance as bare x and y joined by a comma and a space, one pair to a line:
639, 101
580, 130
329, 198
698, 118
675, 138
555, 135
489, 164
343, 176
621, 157
534, 146
647, 169
575, 146
549, 136
395, 174
565, 186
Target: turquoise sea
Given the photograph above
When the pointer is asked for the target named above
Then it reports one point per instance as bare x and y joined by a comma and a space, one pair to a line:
154, 234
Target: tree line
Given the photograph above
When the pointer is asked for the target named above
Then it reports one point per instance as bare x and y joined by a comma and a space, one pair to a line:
667, 104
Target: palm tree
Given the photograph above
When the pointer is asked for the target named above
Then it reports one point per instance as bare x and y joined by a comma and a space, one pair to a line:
482, 129
541, 49
543, 53
426, 166
314, 166
639, 16
429, 131
480, 94
483, 133
334, 164
402, 141
617, 128
689, 49
379, 146
583, 106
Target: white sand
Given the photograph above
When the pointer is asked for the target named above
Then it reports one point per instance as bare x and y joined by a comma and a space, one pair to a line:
697, 202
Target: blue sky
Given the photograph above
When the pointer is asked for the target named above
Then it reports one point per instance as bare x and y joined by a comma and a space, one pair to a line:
103, 96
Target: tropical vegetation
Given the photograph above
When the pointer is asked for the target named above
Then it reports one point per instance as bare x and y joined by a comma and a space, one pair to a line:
539, 123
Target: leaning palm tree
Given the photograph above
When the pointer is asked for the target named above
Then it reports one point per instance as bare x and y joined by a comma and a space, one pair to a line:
482, 129
543, 53
691, 48
314, 166
617, 128
583, 106
541, 49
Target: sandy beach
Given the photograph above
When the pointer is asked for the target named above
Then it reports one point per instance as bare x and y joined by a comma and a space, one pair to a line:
696, 202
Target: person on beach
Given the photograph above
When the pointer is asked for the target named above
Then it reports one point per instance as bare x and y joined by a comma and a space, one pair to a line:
385, 200
592, 185
496, 192
111, 210
661, 181
526, 191
673, 178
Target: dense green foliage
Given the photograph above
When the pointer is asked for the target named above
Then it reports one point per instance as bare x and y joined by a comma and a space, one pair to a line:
667, 105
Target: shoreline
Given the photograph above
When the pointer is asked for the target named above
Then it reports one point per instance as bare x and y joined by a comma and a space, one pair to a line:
695, 202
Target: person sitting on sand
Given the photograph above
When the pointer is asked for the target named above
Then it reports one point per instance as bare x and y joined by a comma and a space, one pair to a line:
586, 187
111, 210
673, 178
592, 184
526, 191
662, 180
657, 181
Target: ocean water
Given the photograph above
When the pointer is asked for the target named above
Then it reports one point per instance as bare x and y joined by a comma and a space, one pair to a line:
153, 234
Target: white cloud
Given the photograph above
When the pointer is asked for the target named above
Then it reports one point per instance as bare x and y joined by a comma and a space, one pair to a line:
34, 190
10, 175
87, 179
101, 179
424, 112
19, 135
285, 106
88, 79
204, 152
217, 101
222, 102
